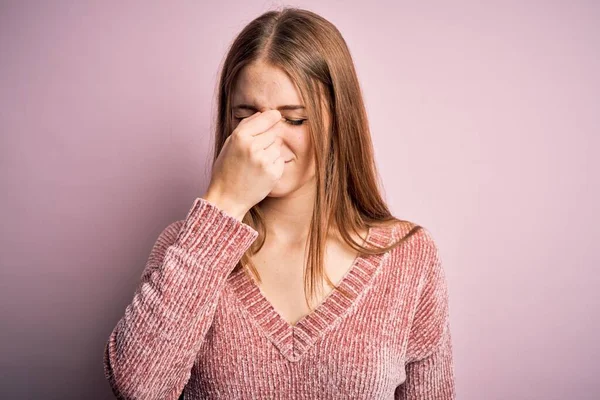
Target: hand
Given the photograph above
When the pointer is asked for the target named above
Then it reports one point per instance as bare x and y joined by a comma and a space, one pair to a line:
249, 165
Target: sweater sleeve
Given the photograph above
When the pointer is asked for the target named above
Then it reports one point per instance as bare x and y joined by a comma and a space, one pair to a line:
152, 349
429, 360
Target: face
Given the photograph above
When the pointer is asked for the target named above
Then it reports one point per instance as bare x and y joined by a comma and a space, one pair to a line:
261, 87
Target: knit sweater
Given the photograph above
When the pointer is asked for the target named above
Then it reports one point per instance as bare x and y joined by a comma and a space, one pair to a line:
198, 327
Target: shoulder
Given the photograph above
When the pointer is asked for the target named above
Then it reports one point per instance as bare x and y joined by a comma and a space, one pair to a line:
415, 236
416, 251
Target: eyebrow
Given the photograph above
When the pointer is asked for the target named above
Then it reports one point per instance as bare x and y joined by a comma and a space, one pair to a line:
280, 108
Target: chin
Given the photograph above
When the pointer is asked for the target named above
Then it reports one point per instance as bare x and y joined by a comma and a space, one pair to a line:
279, 191
288, 185
284, 187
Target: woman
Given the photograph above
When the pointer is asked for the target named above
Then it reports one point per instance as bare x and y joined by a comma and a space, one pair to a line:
219, 314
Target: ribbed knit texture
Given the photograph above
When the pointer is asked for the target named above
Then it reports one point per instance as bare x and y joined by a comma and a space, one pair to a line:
197, 328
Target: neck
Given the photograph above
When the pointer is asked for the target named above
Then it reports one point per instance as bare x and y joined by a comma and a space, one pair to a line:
288, 218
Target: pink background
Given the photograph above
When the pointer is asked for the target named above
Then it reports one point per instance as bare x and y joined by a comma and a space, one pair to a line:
485, 119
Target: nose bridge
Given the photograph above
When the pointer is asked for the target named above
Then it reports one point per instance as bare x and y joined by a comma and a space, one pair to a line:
279, 125
279, 134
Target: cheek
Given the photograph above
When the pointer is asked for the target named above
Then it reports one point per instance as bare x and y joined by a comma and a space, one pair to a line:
300, 142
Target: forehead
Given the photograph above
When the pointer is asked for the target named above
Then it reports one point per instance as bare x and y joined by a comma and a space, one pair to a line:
265, 86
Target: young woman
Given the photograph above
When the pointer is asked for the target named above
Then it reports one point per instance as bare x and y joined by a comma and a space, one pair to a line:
289, 278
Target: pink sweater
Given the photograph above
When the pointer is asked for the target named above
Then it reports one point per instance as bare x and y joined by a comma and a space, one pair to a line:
195, 327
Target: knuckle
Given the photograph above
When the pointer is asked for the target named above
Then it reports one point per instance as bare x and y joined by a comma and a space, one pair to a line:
254, 147
239, 137
234, 135
239, 131
264, 163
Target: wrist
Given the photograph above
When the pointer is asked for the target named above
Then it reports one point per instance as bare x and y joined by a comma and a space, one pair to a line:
225, 204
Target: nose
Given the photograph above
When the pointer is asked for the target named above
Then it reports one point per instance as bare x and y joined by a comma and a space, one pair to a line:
286, 155
279, 125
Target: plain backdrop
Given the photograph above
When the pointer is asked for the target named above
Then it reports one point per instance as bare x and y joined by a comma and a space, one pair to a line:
484, 117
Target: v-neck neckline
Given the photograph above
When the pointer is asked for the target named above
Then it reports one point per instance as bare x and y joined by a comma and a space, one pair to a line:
293, 340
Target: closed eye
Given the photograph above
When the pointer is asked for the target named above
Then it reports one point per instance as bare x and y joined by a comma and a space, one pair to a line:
294, 122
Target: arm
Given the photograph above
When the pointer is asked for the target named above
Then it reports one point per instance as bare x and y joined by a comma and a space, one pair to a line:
152, 349
429, 361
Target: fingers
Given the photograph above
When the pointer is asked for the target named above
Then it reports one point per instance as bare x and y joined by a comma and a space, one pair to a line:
265, 139
273, 152
249, 118
254, 125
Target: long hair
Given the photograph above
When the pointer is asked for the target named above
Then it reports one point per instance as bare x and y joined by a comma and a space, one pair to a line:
315, 56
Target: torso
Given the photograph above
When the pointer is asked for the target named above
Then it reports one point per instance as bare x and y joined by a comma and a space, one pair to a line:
281, 271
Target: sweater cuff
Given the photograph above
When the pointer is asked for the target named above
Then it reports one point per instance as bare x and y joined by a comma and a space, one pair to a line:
207, 227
